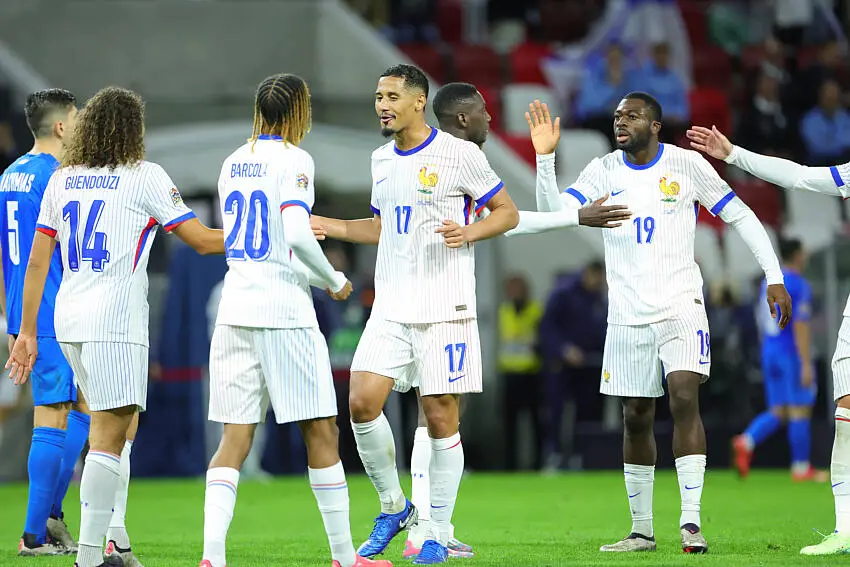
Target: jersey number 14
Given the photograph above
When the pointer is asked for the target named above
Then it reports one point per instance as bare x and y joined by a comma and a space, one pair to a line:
94, 243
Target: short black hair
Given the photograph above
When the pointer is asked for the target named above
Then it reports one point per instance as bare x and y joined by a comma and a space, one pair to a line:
413, 76
40, 107
654, 106
452, 95
597, 266
789, 247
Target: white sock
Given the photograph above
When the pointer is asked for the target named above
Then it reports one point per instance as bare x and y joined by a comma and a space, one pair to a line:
331, 492
840, 470
446, 471
376, 447
640, 480
219, 502
691, 472
97, 496
420, 462
117, 529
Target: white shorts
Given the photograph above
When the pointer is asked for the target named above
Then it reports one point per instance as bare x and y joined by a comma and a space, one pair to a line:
637, 357
437, 358
110, 375
841, 362
289, 367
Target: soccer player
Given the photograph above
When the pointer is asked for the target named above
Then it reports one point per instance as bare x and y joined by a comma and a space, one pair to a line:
55, 447
657, 326
267, 345
462, 112
829, 181
102, 205
789, 375
423, 330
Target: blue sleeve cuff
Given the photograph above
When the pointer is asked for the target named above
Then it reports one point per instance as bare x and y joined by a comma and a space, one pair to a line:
169, 226
715, 210
836, 176
482, 202
581, 198
296, 203
375, 210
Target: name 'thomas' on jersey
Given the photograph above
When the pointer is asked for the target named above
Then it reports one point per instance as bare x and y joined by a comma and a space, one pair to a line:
265, 285
418, 279
104, 220
649, 260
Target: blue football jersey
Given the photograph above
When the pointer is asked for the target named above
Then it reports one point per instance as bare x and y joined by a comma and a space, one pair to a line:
782, 340
22, 188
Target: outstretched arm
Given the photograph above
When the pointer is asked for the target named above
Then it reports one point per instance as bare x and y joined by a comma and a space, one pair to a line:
299, 237
359, 231
781, 172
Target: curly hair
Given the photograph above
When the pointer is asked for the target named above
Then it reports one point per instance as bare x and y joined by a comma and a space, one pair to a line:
282, 108
110, 131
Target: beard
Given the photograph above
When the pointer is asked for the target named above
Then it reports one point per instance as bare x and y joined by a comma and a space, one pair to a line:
387, 132
635, 143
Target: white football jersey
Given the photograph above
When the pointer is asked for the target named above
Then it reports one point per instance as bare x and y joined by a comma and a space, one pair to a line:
841, 176
649, 260
265, 285
104, 221
417, 278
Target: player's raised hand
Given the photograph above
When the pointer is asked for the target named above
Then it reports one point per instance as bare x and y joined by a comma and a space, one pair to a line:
545, 134
319, 230
454, 235
777, 297
344, 293
603, 216
22, 358
711, 142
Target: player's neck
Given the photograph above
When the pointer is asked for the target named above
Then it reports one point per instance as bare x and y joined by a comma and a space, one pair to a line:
412, 137
644, 156
51, 146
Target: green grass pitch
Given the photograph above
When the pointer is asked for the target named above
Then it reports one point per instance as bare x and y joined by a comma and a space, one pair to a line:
510, 520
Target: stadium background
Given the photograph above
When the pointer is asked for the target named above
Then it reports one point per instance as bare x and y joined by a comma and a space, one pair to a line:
755, 69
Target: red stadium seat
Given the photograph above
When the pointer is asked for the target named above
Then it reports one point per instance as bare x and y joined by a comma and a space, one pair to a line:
525, 63
521, 145
763, 198
427, 57
712, 67
450, 19
477, 64
493, 100
694, 15
710, 106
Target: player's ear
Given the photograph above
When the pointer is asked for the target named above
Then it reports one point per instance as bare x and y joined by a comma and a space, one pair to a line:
421, 101
462, 120
655, 127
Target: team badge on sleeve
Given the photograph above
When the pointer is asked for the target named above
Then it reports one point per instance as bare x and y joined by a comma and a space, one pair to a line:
175, 196
301, 181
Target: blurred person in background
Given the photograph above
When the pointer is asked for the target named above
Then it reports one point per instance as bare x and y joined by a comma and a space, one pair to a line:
572, 335
660, 80
764, 124
790, 385
825, 129
519, 366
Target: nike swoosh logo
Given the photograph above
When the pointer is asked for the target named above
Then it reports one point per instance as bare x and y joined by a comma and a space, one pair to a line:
381, 180
455, 379
692, 487
438, 507
837, 484
705, 362
633, 495
615, 193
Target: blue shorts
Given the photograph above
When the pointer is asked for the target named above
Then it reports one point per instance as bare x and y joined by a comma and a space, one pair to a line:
782, 382
52, 378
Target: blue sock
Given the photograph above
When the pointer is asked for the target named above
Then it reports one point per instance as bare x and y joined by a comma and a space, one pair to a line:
76, 436
43, 465
763, 426
800, 439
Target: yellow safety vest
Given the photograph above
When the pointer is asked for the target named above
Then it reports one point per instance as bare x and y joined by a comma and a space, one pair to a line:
517, 335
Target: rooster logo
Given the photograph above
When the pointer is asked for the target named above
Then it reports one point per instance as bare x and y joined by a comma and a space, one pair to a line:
670, 191
427, 180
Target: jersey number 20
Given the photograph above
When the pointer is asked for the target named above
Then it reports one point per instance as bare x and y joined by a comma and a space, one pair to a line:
243, 239
94, 242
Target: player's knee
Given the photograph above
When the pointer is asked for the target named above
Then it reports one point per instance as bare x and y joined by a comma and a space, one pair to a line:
52, 415
638, 415
799, 412
363, 407
441, 414
320, 433
843, 402
684, 402
780, 412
